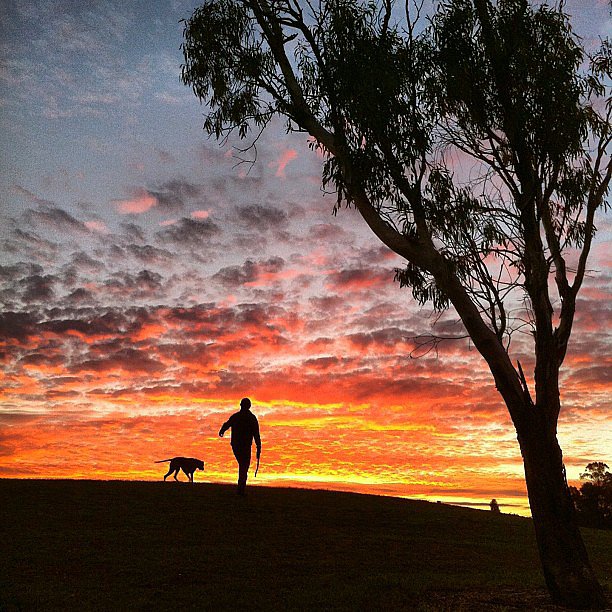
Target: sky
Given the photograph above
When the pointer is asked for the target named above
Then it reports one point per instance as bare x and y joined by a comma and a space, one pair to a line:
149, 281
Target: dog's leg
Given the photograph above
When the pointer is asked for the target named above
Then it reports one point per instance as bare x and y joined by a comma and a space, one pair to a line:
175, 474
168, 474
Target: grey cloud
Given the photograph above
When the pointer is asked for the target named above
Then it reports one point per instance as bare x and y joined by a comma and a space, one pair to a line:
113, 252
93, 321
174, 194
30, 244
38, 288
390, 336
56, 218
359, 277
128, 359
133, 232
262, 218
148, 253
248, 272
596, 375
42, 358
19, 270
327, 232
30, 196
189, 232
327, 303
377, 255
145, 283
80, 296
65, 60
322, 363
165, 156
84, 263
18, 325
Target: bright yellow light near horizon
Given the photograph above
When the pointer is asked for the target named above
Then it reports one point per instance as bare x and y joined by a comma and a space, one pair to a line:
508, 505
256, 403
302, 405
352, 423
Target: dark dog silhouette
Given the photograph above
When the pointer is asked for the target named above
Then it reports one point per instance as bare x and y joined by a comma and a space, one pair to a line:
188, 464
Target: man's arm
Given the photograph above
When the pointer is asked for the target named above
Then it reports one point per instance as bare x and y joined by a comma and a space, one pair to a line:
224, 427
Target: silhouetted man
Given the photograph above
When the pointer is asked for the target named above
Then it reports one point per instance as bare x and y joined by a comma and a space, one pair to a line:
245, 428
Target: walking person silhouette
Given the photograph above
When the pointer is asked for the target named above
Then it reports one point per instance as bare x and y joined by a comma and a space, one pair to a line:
245, 429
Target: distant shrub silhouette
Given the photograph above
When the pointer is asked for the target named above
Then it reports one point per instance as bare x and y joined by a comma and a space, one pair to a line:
494, 506
593, 501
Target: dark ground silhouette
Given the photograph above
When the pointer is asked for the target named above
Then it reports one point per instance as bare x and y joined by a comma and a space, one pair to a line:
94, 545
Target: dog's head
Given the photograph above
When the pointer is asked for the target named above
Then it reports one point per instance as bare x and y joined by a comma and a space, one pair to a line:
200, 465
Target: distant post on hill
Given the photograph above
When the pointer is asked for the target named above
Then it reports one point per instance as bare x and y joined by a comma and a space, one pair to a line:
390, 97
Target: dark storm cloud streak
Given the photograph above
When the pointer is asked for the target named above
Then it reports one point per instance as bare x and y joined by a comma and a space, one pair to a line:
127, 359
87, 321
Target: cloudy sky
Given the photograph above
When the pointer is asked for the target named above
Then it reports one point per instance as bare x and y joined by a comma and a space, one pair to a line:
148, 281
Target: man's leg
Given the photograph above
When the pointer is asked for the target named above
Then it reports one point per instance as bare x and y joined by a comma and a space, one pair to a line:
243, 456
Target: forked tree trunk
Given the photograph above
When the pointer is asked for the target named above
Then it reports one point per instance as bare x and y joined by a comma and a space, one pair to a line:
565, 563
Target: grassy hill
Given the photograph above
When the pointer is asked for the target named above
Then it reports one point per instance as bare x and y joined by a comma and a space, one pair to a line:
93, 545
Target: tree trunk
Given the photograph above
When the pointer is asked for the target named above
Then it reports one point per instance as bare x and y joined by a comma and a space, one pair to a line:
565, 563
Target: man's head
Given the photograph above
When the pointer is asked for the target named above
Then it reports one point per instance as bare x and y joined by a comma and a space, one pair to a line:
245, 403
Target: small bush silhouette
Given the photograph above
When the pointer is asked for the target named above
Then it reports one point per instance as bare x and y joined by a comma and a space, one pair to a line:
593, 501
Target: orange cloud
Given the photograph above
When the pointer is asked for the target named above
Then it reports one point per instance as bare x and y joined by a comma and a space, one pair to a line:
340, 402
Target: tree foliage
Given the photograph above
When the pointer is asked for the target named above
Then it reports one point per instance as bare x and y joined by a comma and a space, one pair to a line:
392, 104
593, 501
475, 144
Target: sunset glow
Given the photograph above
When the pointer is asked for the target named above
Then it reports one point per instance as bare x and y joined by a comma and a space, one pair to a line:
150, 279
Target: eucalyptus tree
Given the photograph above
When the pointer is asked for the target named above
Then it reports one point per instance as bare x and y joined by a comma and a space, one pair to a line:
400, 103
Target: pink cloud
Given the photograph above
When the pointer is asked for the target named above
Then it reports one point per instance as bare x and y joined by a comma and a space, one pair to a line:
140, 203
281, 163
200, 214
97, 226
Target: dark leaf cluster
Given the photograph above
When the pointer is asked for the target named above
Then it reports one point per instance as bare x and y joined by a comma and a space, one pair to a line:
391, 102
230, 82
593, 501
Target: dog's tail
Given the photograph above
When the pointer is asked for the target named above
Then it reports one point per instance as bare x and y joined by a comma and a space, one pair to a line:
163, 461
